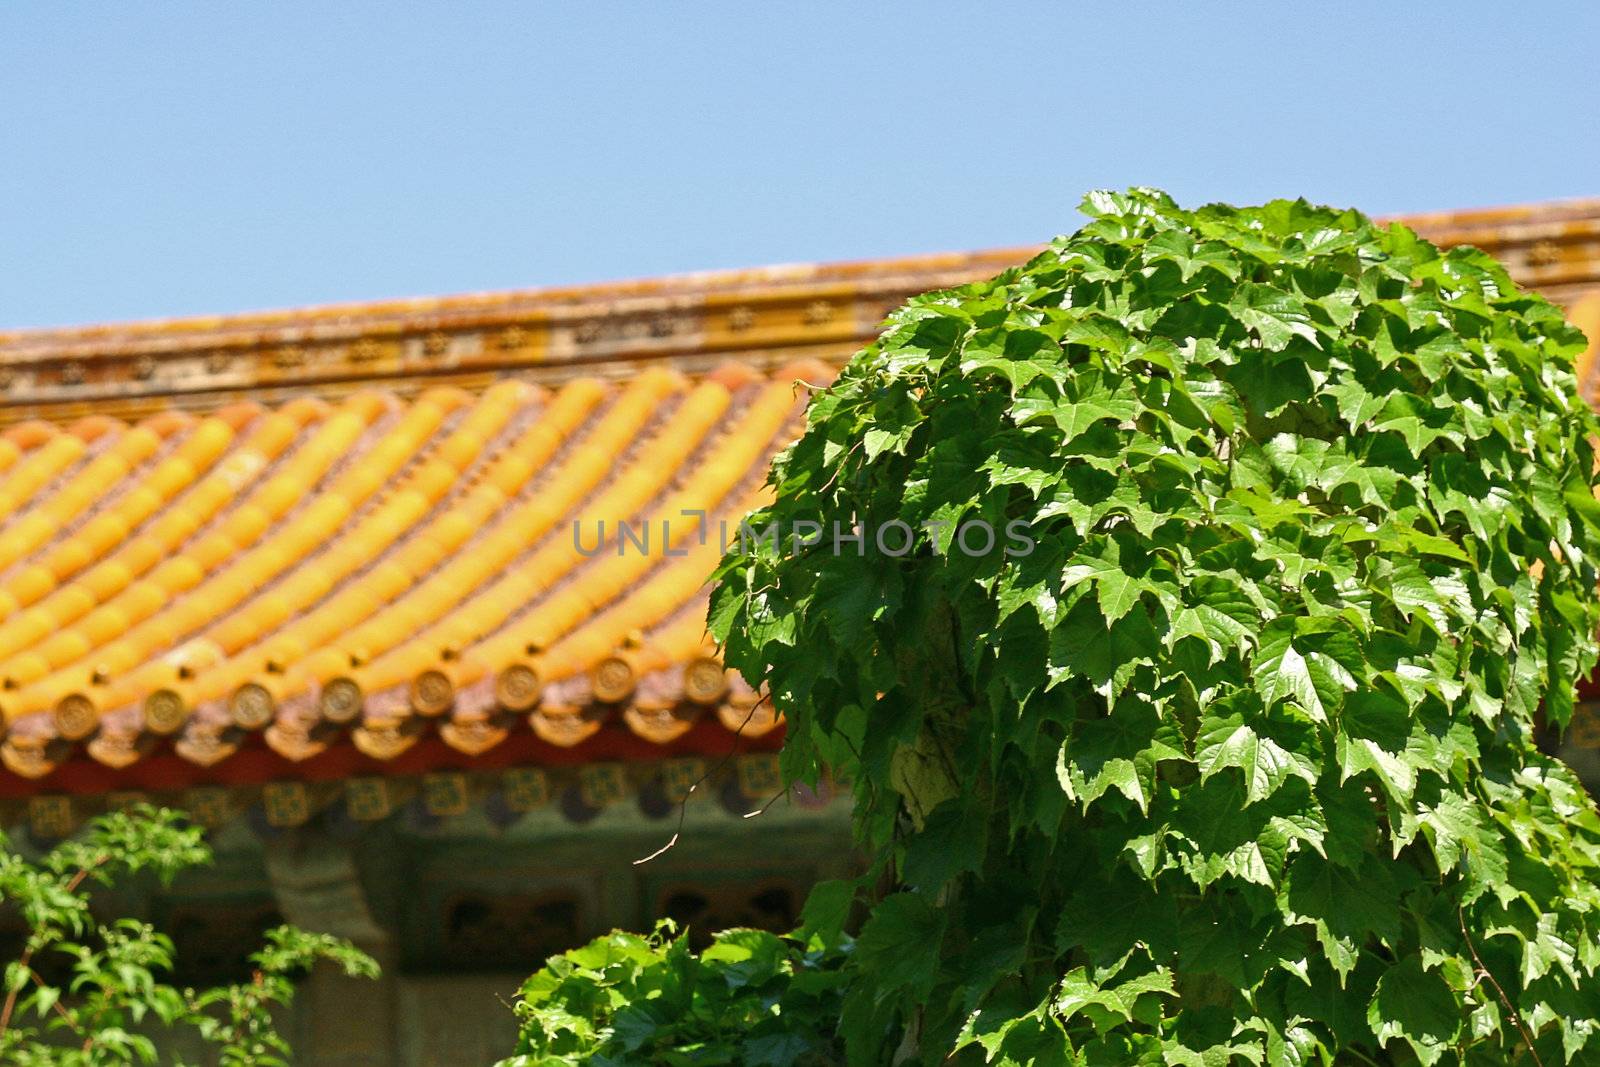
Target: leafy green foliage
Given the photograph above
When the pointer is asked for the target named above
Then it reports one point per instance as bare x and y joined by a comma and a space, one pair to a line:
115, 996
750, 999
1237, 763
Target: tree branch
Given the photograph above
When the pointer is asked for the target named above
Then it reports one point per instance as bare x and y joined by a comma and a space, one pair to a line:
1483, 972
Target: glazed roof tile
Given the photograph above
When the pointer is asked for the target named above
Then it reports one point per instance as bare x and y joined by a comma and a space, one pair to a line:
373, 571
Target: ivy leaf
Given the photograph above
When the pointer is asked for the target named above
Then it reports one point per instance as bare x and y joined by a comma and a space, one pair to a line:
895, 418
1018, 461
1092, 400
1276, 317
900, 944
1229, 742
1375, 483
1098, 332
1393, 770
1079, 993
1222, 834
826, 909
1107, 657
1357, 404
1417, 1007
777, 1050
1225, 614
1452, 826
1108, 915
951, 841
1120, 752
748, 957
1548, 947
855, 592
1346, 907
1281, 672
1416, 423
1191, 257
1116, 590
1019, 356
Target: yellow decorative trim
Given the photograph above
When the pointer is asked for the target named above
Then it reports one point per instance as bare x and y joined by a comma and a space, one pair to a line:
286, 804
368, 799
679, 776
445, 793
525, 788
51, 817
602, 784
758, 776
689, 321
209, 806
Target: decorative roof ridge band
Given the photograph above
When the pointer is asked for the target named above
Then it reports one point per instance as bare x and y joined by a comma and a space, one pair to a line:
753, 281
763, 315
826, 311
1501, 215
1517, 221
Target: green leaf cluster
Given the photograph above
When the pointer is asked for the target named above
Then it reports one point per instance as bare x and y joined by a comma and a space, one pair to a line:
750, 999
1236, 763
115, 1002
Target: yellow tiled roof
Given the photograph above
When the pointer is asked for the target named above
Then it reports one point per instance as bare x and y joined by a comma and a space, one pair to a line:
378, 565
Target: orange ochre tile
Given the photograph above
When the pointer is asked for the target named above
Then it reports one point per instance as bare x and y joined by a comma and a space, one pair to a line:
317, 570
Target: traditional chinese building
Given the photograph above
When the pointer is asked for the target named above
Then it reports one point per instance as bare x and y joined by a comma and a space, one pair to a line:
335, 582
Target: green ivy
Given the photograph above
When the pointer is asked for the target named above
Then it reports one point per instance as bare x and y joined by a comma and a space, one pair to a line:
1237, 764
751, 999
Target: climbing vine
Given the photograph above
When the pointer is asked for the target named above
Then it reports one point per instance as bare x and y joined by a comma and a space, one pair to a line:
750, 999
1196, 723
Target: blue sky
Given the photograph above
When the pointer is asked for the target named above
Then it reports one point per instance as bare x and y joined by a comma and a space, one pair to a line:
161, 159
